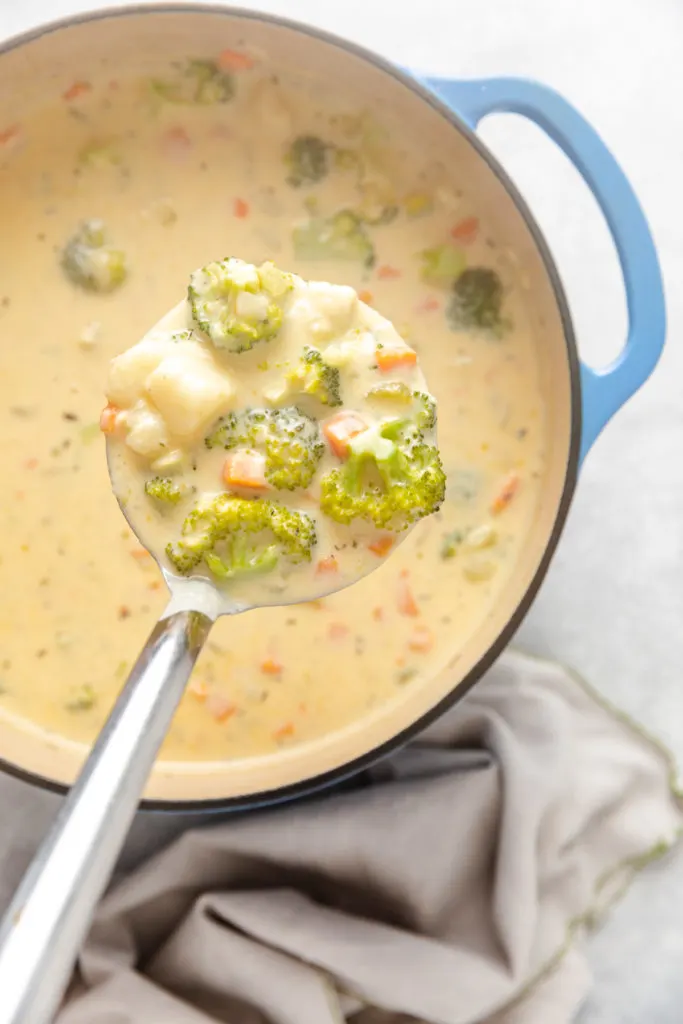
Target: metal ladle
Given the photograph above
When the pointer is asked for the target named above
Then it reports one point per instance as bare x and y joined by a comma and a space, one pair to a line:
45, 925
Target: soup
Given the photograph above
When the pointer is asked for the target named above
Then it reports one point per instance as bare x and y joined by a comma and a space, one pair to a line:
270, 435
197, 163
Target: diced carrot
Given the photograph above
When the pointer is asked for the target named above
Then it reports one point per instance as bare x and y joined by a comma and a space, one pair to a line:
176, 143
382, 546
378, 614
124, 612
391, 358
220, 708
339, 430
234, 60
283, 731
466, 230
302, 707
271, 667
76, 90
338, 630
154, 585
387, 273
198, 690
244, 468
31, 464
428, 305
109, 418
506, 493
140, 554
240, 208
400, 661
326, 565
406, 602
365, 296
421, 639
9, 133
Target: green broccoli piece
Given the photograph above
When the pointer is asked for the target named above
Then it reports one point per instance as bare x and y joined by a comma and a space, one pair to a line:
90, 262
290, 440
391, 477
442, 264
314, 377
340, 237
164, 490
237, 304
198, 83
395, 392
308, 161
235, 537
476, 301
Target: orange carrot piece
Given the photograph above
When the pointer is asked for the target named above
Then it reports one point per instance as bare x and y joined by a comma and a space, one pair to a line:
283, 731
240, 208
407, 605
338, 630
506, 493
198, 690
31, 464
421, 639
326, 565
365, 296
387, 273
339, 430
428, 305
271, 667
466, 230
76, 90
382, 546
378, 614
154, 585
140, 554
235, 60
220, 708
109, 418
390, 359
245, 469
9, 133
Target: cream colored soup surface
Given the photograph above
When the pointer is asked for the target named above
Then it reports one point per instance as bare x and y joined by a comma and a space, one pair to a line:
175, 181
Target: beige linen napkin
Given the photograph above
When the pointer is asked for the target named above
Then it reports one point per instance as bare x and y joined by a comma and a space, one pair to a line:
446, 888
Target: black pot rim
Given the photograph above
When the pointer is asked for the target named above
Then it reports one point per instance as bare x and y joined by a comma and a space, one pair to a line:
318, 783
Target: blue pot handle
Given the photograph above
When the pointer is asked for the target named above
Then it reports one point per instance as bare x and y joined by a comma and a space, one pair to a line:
603, 391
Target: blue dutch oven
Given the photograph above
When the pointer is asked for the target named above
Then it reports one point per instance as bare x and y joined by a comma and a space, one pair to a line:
440, 115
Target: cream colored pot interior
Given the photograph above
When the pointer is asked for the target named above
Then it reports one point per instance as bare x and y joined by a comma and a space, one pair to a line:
142, 42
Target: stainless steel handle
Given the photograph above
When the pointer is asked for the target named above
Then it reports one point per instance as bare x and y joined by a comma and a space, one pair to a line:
51, 911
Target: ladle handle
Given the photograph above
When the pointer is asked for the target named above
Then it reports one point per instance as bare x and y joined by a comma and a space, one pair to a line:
49, 916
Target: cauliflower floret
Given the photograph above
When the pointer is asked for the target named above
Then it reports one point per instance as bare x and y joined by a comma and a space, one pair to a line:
129, 371
190, 393
146, 432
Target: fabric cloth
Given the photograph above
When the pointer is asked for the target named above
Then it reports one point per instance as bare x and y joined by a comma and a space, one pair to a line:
447, 888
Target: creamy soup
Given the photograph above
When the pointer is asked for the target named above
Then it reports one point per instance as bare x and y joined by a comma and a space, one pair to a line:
270, 435
201, 162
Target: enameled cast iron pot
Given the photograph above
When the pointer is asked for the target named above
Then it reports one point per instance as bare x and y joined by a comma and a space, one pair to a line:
441, 115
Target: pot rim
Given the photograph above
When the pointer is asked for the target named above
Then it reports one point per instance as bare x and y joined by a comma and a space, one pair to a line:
309, 787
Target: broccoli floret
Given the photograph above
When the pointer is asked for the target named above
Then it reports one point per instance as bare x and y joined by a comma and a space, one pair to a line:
391, 477
237, 304
341, 237
395, 392
164, 490
308, 161
476, 301
198, 82
90, 262
236, 537
442, 264
314, 377
290, 440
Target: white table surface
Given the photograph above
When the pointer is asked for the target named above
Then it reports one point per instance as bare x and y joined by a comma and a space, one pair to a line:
612, 605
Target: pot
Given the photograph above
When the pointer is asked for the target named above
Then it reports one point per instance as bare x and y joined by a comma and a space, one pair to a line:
443, 113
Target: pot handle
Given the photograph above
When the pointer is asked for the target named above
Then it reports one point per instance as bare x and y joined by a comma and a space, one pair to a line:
604, 390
